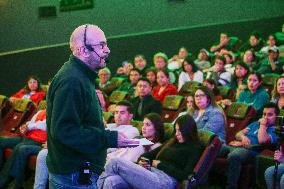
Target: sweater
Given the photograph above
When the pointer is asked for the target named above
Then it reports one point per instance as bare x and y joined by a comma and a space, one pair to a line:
75, 129
177, 160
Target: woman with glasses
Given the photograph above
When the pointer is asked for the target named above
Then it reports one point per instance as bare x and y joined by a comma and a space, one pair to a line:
207, 114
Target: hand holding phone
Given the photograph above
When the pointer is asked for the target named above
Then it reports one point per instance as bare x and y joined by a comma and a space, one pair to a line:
145, 162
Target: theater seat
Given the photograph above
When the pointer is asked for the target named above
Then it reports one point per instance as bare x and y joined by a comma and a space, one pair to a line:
22, 110
5, 105
172, 106
239, 115
108, 117
189, 88
212, 146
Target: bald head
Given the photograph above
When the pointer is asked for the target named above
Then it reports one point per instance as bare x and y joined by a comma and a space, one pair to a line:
88, 43
90, 32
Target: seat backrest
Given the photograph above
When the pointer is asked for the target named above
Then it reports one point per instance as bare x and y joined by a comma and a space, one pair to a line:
41, 105
21, 111
117, 81
5, 105
206, 160
226, 92
138, 124
239, 115
117, 96
108, 116
45, 88
189, 88
235, 42
172, 106
169, 129
268, 81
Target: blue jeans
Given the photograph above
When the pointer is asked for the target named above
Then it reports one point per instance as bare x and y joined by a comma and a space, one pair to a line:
41, 173
121, 173
15, 166
7, 142
70, 181
269, 176
236, 157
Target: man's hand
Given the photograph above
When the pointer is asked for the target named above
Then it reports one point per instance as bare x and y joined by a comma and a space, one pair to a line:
24, 129
262, 123
278, 156
245, 141
123, 141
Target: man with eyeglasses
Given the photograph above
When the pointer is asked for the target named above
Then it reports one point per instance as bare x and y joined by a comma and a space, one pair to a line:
248, 143
144, 102
77, 139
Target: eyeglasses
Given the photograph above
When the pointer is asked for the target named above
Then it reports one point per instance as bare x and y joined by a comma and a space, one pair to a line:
102, 45
199, 95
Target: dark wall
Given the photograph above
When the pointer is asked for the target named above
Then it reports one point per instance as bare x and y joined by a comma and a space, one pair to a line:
45, 62
22, 28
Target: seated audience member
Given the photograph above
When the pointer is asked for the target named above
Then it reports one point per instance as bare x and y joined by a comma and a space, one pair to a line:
218, 72
130, 86
207, 114
34, 134
105, 85
166, 165
152, 129
125, 69
224, 43
140, 63
123, 115
243, 151
210, 84
250, 59
239, 79
144, 103
278, 93
271, 42
189, 72
164, 86
270, 171
175, 62
280, 36
104, 77
230, 60
189, 106
255, 43
255, 94
202, 61
160, 62
151, 74
31, 91
101, 99
270, 64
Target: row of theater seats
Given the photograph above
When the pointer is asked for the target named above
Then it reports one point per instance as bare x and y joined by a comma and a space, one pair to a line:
13, 115
21, 110
238, 116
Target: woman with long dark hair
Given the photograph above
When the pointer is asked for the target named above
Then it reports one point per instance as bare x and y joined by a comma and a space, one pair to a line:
161, 168
32, 90
208, 115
